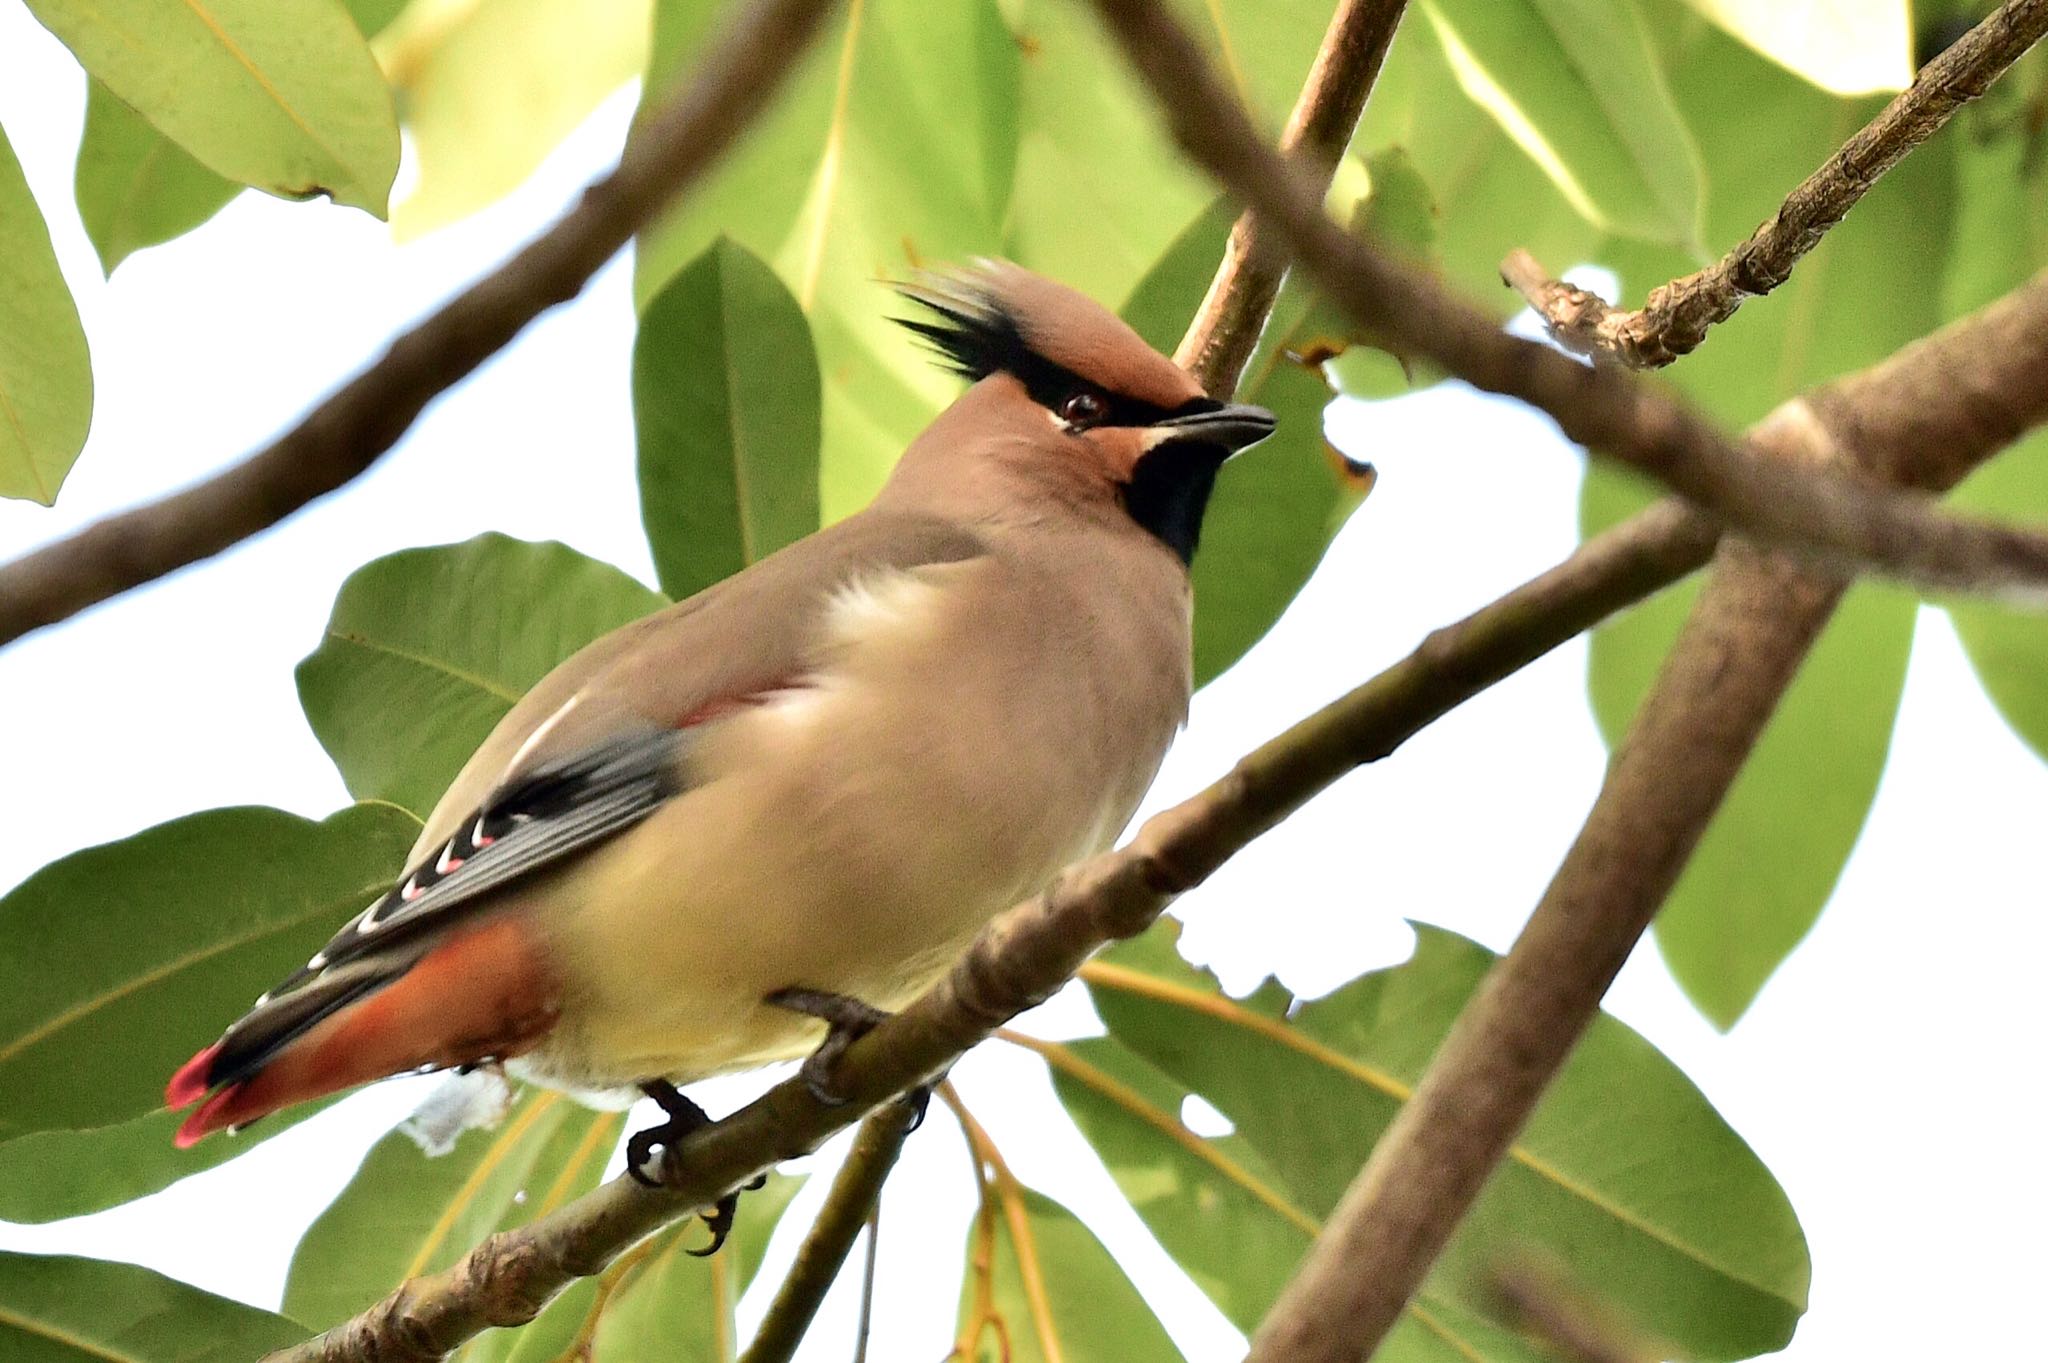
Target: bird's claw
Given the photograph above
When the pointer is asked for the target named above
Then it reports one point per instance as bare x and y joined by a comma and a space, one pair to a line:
846, 1020
684, 1118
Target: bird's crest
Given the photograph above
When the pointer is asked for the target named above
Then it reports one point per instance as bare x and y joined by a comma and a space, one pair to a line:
978, 331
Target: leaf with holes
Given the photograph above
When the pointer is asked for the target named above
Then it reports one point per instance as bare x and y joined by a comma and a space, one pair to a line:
280, 94
1278, 505
1625, 1172
1772, 854
428, 649
725, 406
1229, 1221
45, 372
123, 959
58, 1309
405, 1213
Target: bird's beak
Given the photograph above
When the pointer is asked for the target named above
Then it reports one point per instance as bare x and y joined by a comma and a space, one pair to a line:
1230, 427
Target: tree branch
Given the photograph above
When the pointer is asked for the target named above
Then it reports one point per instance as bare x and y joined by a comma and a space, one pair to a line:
1225, 332
1844, 522
1927, 415
347, 433
854, 1194
1677, 315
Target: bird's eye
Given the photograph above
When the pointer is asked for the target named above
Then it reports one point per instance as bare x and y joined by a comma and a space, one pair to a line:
1083, 409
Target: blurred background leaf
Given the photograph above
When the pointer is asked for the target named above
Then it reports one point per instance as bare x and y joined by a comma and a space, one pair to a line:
280, 94
1847, 47
725, 405
189, 920
45, 372
59, 1309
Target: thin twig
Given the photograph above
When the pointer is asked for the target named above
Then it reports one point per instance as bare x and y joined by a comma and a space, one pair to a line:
1225, 332
1677, 315
864, 1326
356, 424
1852, 525
855, 1194
1980, 382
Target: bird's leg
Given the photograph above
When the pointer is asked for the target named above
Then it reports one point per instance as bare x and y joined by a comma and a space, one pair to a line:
684, 1117
846, 1020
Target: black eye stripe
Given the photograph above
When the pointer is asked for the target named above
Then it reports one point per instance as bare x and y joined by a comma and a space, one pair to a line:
977, 343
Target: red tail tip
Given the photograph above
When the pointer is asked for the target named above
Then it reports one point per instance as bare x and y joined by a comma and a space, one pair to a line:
207, 1120
190, 1083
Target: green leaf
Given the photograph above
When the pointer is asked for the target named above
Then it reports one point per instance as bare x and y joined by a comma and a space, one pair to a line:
677, 1307
725, 401
1771, 856
1229, 1221
1488, 196
45, 372
896, 148
135, 187
405, 1213
58, 1309
49, 1175
2000, 239
279, 94
1624, 1172
1050, 1291
496, 89
428, 649
1849, 47
124, 959
1578, 86
1100, 188
1277, 506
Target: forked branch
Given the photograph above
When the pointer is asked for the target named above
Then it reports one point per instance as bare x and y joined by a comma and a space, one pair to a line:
1677, 315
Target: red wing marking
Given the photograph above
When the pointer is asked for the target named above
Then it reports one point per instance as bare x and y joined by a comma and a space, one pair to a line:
483, 993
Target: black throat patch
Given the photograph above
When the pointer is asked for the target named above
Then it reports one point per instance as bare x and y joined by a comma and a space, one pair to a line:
1169, 491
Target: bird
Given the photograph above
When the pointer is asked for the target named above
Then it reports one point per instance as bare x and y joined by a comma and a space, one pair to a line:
746, 827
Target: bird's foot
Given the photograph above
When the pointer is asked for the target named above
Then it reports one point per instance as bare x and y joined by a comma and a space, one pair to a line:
847, 1020
684, 1117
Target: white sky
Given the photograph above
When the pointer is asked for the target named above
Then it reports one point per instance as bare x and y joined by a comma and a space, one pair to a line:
1886, 1075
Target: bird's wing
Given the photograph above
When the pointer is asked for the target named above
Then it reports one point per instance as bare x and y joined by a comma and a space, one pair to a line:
595, 748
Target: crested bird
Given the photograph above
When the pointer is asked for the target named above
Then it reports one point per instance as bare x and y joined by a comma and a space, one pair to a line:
779, 809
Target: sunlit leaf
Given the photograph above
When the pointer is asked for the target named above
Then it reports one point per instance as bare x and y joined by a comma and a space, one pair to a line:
725, 402
1278, 505
1039, 1287
1773, 853
1578, 86
1851, 47
124, 959
279, 94
49, 1175
900, 139
428, 649
58, 1309
1624, 1173
45, 373
405, 1213
490, 93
